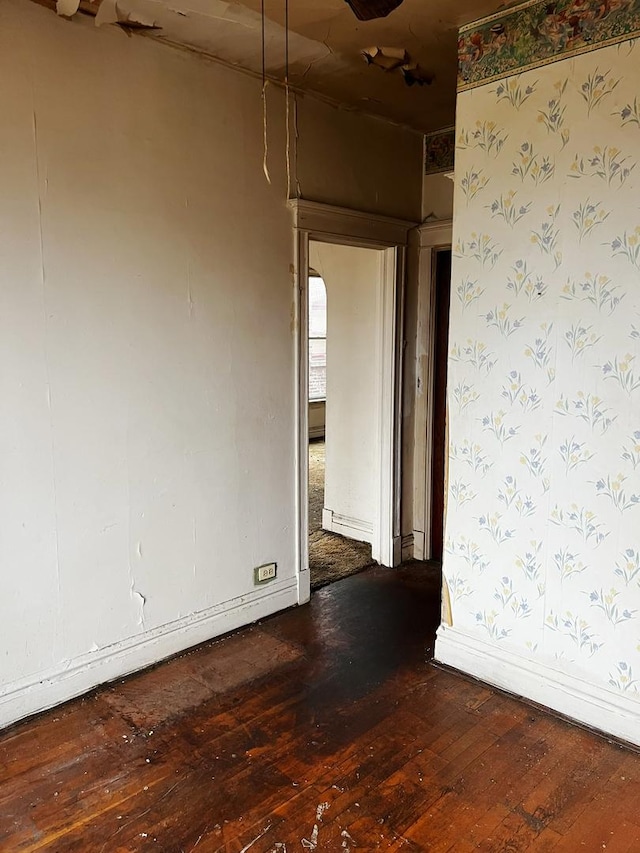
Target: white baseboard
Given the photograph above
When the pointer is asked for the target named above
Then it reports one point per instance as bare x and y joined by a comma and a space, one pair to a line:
21, 699
407, 547
419, 550
352, 528
603, 709
316, 432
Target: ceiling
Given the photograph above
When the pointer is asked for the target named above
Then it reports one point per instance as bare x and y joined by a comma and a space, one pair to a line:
326, 42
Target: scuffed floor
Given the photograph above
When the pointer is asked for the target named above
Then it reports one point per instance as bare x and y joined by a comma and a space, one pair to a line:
321, 729
331, 557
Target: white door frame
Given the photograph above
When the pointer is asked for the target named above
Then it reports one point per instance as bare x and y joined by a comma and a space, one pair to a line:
328, 224
433, 236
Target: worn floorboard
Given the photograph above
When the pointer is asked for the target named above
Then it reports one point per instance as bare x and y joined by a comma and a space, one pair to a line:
323, 728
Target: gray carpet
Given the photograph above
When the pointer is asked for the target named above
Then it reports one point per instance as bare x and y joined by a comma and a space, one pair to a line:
331, 557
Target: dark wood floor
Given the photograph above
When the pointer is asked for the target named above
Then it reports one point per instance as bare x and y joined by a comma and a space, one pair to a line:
321, 729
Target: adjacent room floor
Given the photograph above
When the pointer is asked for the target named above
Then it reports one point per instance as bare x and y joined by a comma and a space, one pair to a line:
331, 557
323, 728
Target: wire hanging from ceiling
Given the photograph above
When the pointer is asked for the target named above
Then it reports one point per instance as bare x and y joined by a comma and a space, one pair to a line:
287, 94
265, 165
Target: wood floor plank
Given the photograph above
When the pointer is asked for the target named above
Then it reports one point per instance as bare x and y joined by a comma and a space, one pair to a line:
323, 728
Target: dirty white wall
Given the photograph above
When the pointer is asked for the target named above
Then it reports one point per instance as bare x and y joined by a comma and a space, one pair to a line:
437, 197
353, 280
146, 345
542, 563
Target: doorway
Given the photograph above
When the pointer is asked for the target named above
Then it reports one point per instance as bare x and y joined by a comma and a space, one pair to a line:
442, 292
344, 288
430, 436
321, 227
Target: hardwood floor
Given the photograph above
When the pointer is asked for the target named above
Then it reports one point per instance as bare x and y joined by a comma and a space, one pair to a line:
324, 729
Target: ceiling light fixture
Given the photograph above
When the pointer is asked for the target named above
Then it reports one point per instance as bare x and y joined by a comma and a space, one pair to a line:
368, 10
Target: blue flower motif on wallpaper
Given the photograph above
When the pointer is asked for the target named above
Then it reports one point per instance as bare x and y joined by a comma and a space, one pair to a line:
631, 451
596, 87
529, 164
507, 208
514, 91
468, 291
546, 237
481, 248
461, 492
588, 216
606, 163
589, 408
473, 455
473, 182
553, 115
576, 629
516, 391
580, 338
608, 604
523, 280
630, 113
596, 289
621, 371
613, 489
622, 678
464, 395
489, 621
500, 318
583, 521
627, 245
543, 554
628, 566
531, 562
474, 353
485, 136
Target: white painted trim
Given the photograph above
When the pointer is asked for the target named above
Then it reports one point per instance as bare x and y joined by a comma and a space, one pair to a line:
388, 386
354, 528
329, 224
603, 709
406, 544
343, 224
301, 460
316, 432
50, 688
432, 236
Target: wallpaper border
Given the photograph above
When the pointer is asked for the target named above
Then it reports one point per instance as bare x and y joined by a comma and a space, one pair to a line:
537, 33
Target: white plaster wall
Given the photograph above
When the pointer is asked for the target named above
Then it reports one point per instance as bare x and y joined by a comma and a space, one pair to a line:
352, 277
437, 197
146, 349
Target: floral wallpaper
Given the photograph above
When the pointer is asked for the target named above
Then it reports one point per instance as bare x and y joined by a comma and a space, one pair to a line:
537, 32
543, 523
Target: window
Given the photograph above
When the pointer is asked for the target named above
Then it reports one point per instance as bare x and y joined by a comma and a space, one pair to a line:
317, 339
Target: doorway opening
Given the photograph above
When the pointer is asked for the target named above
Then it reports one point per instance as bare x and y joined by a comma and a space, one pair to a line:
442, 292
339, 540
361, 259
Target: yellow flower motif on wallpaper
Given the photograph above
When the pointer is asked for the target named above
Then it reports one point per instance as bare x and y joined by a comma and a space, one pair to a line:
596, 289
613, 489
621, 372
472, 182
505, 207
596, 87
604, 163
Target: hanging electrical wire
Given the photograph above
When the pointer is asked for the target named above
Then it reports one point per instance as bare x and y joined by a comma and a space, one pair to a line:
265, 166
287, 94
